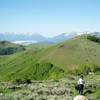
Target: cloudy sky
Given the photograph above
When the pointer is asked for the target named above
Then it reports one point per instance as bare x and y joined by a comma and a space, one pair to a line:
49, 17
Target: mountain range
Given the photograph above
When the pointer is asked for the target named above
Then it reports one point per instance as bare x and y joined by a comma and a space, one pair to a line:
38, 39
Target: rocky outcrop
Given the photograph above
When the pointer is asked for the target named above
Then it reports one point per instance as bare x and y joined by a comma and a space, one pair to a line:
80, 97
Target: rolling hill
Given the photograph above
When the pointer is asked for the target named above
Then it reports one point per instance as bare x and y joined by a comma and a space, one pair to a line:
49, 62
73, 52
7, 48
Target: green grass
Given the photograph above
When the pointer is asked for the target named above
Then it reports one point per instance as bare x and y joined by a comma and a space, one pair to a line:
7, 48
34, 63
73, 52
94, 80
25, 65
61, 89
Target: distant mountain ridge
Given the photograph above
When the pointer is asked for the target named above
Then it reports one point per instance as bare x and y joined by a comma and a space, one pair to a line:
17, 37
41, 40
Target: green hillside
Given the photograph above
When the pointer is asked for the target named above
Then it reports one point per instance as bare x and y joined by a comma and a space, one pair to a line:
24, 65
73, 52
7, 48
51, 62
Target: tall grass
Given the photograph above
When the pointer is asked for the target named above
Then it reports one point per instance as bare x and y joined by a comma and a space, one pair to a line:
85, 69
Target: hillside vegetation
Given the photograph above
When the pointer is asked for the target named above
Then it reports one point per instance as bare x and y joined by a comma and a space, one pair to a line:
52, 62
24, 65
72, 53
62, 89
93, 38
7, 48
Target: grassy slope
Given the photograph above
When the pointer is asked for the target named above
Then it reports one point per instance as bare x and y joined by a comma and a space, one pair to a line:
73, 52
24, 65
65, 55
6, 44
7, 48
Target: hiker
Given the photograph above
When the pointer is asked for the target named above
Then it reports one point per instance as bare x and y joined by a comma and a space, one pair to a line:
81, 84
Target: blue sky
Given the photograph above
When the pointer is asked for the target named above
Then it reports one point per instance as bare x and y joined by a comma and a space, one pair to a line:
49, 17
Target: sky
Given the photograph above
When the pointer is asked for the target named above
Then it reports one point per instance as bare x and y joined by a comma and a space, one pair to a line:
49, 17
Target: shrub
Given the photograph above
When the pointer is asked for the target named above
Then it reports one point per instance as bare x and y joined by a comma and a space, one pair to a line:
93, 38
84, 69
44, 71
24, 80
19, 81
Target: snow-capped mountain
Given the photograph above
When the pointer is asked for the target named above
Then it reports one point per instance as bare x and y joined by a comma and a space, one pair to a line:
65, 36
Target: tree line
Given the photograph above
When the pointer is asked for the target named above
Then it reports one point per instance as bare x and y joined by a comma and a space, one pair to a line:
93, 38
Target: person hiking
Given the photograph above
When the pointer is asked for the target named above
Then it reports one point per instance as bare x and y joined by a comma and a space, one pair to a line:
81, 83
